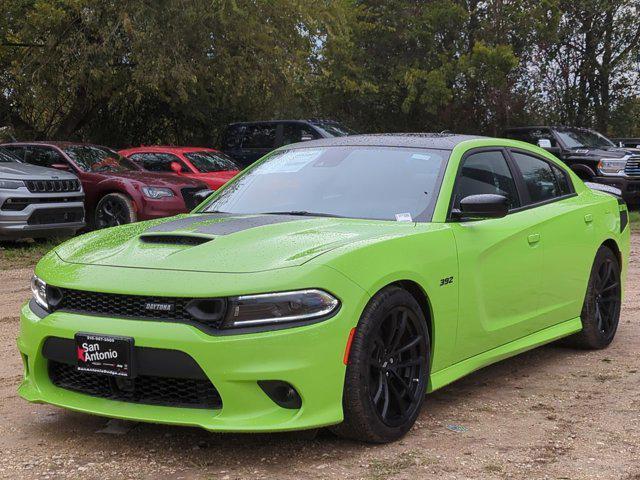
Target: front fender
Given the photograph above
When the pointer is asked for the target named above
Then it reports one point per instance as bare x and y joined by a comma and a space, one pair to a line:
426, 257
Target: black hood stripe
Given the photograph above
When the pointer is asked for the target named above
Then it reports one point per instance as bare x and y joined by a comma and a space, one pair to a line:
221, 224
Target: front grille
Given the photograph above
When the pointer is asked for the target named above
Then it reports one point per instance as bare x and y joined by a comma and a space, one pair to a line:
146, 389
17, 204
52, 186
632, 168
51, 216
207, 313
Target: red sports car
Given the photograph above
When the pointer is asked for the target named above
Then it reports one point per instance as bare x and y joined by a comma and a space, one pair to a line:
205, 164
117, 191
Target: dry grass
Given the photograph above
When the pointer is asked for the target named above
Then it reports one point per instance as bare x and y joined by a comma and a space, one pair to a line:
24, 253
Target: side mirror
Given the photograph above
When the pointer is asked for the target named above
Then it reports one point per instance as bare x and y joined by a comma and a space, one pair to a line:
483, 206
61, 166
176, 167
544, 143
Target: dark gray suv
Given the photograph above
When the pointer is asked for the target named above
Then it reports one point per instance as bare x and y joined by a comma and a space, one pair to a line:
246, 142
37, 202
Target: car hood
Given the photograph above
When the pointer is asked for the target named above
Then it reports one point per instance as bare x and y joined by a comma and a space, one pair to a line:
221, 174
24, 171
224, 243
156, 179
613, 152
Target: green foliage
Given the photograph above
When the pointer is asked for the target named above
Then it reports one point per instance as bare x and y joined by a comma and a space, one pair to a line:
173, 71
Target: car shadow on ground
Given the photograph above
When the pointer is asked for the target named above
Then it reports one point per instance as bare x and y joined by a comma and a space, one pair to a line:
201, 448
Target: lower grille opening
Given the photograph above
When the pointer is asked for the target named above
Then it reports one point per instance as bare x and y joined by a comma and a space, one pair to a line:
56, 215
145, 389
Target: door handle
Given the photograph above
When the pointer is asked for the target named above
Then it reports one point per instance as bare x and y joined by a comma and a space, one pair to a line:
533, 238
588, 218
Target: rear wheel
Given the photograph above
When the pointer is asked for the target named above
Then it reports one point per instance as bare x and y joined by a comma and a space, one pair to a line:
601, 309
387, 371
113, 210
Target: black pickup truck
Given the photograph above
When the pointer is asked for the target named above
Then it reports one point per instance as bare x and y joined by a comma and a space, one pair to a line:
591, 155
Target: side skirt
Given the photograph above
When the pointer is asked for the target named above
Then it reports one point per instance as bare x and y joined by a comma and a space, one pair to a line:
454, 372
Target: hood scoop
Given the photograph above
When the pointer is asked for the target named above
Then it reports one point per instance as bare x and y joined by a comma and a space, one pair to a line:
174, 239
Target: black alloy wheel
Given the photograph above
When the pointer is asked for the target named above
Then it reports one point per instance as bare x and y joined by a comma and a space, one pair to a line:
607, 297
113, 210
387, 369
602, 303
398, 362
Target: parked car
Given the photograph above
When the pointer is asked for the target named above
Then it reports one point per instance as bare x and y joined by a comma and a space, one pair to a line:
117, 191
246, 142
627, 142
38, 202
390, 266
591, 155
204, 164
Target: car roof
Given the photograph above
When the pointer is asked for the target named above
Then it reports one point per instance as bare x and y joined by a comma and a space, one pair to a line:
439, 141
167, 148
313, 121
55, 143
533, 127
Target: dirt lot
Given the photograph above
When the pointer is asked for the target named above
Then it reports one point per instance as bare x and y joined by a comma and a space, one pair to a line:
549, 413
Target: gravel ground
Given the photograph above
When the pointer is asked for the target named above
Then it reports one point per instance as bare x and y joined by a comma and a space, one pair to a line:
549, 413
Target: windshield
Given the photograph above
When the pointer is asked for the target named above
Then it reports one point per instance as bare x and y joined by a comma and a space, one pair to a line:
6, 156
383, 183
211, 161
578, 138
91, 158
335, 129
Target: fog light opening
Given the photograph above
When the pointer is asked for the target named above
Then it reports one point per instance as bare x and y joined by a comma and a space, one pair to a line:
282, 393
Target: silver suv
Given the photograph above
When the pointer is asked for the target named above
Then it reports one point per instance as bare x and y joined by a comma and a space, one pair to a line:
37, 202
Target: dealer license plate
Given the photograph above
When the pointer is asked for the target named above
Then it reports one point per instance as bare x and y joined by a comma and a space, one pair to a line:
104, 354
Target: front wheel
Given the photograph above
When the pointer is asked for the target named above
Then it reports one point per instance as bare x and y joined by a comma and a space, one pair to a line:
601, 309
387, 370
113, 210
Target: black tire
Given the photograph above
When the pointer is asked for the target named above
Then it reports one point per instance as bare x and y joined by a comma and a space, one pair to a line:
601, 309
388, 365
114, 209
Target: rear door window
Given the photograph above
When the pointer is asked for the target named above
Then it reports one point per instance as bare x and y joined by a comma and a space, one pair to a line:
259, 136
297, 132
532, 136
157, 162
542, 180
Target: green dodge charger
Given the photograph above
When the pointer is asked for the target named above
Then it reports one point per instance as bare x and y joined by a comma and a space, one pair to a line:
333, 283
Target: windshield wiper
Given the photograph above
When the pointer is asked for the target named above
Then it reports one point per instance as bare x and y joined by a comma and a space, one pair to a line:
303, 213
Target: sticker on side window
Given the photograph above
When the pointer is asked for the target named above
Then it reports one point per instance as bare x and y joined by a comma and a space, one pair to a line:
403, 217
289, 162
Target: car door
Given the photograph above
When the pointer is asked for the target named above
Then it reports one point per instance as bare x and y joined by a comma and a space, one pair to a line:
500, 259
566, 228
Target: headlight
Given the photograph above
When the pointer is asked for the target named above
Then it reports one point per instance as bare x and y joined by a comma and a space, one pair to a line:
279, 308
39, 290
10, 184
157, 192
608, 166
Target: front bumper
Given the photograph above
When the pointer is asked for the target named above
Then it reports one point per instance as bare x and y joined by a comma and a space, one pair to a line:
629, 186
310, 358
187, 200
46, 214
